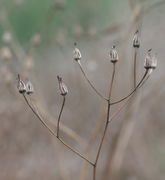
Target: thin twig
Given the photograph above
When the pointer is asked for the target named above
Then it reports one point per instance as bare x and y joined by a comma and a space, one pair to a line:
134, 67
38, 116
59, 117
53, 133
95, 131
122, 106
126, 102
38, 105
74, 151
116, 102
86, 77
118, 111
106, 125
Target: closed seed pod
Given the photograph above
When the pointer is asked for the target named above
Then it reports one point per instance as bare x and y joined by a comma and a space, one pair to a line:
29, 88
21, 86
76, 54
154, 62
62, 87
150, 61
136, 40
113, 55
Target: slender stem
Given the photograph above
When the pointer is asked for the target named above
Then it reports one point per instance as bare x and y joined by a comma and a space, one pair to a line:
126, 102
144, 81
120, 108
86, 77
112, 80
106, 125
94, 172
38, 116
59, 117
134, 68
74, 151
53, 133
101, 143
133, 90
104, 133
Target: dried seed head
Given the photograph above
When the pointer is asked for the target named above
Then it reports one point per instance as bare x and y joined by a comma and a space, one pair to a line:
21, 85
136, 40
5, 53
7, 37
60, 37
77, 30
150, 60
29, 63
36, 39
29, 88
6, 74
76, 53
154, 62
62, 87
92, 31
8, 78
113, 55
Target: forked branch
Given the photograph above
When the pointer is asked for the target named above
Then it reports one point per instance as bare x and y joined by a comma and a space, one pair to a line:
106, 125
53, 133
89, 82
138, 85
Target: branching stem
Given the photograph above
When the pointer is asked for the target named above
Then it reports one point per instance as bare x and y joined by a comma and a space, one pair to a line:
53, 133
106, 125
138, 85
87, 79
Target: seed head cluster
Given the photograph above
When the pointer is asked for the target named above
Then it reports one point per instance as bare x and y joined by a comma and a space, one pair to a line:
24, 88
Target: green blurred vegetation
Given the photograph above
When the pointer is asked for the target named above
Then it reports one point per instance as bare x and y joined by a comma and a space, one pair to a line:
28, 17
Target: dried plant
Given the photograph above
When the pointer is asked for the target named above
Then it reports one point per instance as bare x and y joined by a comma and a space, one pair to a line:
11, 50
150, 63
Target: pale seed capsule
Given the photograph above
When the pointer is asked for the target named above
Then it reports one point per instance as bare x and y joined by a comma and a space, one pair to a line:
7, 37
113, 55
21, 86
5, 53
154, 62
77, 31
6, 74
76, 53
36, 39
150, 61
29, 88
136, 40
60, 37
92, 31
29, 63
62, 87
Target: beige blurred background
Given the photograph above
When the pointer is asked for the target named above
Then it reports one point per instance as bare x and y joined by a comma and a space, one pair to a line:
37, 40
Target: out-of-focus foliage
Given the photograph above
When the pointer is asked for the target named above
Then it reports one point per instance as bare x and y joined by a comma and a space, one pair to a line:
28, 16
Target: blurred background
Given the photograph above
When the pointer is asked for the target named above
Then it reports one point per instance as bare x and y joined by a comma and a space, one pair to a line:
37, 40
